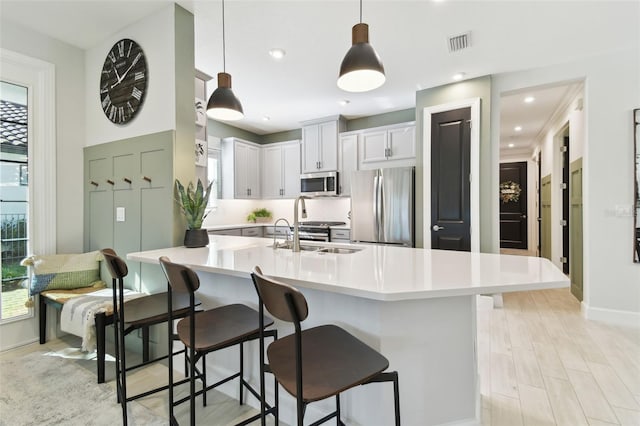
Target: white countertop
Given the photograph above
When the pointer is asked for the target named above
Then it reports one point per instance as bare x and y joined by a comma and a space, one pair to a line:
253, 225
377, 272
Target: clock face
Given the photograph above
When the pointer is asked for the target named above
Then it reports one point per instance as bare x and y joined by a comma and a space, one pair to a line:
123, 81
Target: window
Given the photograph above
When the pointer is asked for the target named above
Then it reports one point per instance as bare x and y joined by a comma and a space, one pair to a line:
214, 174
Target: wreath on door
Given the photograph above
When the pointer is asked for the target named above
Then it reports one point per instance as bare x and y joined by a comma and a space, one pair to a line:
510, 191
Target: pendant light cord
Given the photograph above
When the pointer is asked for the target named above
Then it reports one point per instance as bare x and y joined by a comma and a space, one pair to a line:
360, 11
224, 61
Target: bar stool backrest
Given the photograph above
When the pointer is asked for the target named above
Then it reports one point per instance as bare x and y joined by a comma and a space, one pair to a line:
281, 300
117, 267
182, 279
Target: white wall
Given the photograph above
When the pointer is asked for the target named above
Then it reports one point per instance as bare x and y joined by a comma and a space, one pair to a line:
612, 90
155, 35
70, 124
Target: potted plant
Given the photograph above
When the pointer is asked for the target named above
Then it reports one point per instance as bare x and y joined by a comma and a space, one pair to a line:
259, 215
193, 204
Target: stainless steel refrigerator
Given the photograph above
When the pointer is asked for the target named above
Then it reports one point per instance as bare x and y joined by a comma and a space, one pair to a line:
382, 206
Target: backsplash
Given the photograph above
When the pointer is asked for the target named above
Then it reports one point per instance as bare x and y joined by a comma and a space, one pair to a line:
234, 212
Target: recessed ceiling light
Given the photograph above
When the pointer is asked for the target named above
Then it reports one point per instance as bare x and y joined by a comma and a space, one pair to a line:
266, 118
529, 99
518, 128
277, 53
344, 102
511, 145
458, 76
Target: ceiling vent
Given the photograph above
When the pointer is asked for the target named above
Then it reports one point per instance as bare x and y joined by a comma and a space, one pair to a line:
459, 42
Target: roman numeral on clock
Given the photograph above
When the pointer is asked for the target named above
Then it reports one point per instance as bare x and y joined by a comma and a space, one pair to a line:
121, 48
112, 56
139, 75
136, 93
106, 102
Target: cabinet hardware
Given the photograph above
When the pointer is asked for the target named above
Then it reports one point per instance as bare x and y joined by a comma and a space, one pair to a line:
148, 179
110, 182
127, 180
94, 183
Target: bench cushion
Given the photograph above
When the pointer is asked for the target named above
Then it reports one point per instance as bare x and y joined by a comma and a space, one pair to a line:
63, 271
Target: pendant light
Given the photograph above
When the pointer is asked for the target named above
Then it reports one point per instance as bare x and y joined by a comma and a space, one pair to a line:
223, 104
361, 69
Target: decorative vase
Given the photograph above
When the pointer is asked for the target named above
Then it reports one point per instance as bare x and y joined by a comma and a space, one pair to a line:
196, 238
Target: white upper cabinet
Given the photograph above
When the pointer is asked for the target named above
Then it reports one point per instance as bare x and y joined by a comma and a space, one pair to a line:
389, 146
281, 171
240, 169
347, 162
320, 145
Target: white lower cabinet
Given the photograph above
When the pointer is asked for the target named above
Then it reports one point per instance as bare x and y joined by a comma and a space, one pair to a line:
281, 171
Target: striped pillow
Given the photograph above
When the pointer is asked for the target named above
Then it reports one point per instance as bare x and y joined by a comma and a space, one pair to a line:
63, 271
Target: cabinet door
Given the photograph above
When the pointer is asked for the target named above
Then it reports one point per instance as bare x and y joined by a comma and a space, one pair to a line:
373, 147
329, 146
402, 143
240, 162
310, 148
348, 162
291, 170
272, 172
252, 171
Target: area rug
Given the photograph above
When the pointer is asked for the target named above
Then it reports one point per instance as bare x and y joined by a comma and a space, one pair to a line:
40, 389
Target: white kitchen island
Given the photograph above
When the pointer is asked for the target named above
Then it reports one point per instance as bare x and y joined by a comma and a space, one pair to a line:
416, 306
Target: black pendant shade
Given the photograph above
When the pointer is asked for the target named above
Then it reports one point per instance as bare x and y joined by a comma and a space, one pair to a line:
223, 104
361, 69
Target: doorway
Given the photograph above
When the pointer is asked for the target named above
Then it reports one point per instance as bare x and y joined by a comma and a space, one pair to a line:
472, 177
513, 205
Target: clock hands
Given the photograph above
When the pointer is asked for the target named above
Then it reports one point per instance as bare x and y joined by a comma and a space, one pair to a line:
120, 78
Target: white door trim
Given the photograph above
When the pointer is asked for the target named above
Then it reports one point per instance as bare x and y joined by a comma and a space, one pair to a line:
39, 78
474, 104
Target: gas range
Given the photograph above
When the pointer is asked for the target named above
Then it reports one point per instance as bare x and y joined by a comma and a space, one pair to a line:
316, 230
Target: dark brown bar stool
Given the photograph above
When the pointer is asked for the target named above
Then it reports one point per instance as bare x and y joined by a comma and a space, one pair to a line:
139, 313
207, 331
333, 360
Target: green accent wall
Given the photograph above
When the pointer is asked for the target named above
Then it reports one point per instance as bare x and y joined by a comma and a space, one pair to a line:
469, 89
287, 135
222, 130
385, 119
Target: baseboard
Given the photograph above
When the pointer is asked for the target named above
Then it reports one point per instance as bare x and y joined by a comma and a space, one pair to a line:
612, 316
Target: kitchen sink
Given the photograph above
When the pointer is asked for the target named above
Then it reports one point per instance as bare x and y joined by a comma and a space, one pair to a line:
338, 250
288, 245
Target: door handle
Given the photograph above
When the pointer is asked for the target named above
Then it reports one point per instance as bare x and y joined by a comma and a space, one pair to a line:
524, 216
437, 228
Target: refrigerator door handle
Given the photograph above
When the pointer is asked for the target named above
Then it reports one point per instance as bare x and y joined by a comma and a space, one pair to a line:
380, 218
375, 207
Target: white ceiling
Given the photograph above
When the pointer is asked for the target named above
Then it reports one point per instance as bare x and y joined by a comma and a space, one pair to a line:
410, 37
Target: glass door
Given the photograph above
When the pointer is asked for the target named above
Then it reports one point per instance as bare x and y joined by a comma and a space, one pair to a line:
14, 200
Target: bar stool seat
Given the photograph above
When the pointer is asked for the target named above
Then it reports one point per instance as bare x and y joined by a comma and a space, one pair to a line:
333, 362
220, 327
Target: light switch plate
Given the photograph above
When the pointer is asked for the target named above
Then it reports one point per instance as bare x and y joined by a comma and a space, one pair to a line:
119, 214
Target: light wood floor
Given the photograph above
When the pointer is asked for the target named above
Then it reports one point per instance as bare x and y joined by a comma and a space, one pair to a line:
540, 363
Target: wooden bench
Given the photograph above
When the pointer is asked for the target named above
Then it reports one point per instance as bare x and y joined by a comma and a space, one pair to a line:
56, 299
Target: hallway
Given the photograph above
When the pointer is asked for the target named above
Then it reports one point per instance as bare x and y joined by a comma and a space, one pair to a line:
542, 363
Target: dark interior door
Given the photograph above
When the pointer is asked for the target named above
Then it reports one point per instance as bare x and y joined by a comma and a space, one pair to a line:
565, 205
450, 186
513, 205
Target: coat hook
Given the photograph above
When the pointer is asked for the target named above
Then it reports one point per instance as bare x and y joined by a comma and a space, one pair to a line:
110, 182
94, 183
148, 179
127, 180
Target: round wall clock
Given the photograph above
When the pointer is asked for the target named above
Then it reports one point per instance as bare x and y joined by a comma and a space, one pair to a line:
123, 82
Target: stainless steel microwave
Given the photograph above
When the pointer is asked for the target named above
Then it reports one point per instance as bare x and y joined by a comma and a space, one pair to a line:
321, 184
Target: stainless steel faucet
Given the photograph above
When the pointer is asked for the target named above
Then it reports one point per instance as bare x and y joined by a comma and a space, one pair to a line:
275, 227
296, 235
